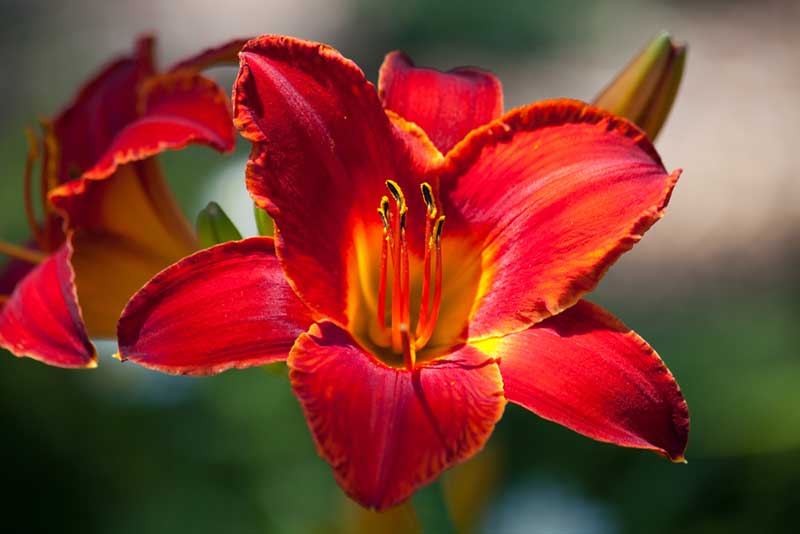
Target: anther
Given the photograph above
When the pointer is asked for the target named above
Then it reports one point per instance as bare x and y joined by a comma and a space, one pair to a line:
438, 232
427, 196
383, 211
397, 193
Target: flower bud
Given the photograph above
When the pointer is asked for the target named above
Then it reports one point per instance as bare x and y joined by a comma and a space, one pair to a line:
263, 222
645, 90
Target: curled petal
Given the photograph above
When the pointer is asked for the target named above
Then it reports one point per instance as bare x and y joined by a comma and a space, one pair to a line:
42, 318
388, 431
103, 107
587, 371
177, 109
224, 307
447, 105
323, 149
555, 192
224, 54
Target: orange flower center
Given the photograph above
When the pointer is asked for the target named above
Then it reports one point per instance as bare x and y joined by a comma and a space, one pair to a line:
400, 306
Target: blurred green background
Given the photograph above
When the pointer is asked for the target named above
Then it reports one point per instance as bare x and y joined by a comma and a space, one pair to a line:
713, 287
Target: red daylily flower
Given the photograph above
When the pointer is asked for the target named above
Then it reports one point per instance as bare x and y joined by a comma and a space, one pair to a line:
406, 330
110, 221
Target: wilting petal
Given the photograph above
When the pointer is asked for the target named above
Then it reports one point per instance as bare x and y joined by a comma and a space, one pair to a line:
324, 148
225, 307
587, 371
388, 431
42, 319
645, 90
179, 109
102, 108
447, 105
556, 191
226, 53
127, 228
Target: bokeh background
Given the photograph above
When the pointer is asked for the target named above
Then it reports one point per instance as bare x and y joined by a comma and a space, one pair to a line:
713, 287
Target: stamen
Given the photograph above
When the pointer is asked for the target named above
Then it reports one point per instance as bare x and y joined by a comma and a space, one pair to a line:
397, 220
21, 253
383, 211
427, 330
49, 181
30, 214
427, 196
395, 246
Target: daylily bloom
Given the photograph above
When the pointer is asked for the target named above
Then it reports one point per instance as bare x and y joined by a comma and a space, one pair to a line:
412, 294
110, 221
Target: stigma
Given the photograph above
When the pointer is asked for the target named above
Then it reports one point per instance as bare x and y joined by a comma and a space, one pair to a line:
394, 251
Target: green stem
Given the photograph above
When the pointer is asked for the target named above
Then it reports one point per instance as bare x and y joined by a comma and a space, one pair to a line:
432, 511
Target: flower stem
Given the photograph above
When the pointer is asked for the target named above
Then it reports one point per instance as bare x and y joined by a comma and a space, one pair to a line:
432, 511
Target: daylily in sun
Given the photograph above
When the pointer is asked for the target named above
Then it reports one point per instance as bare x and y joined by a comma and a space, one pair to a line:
109, 220
412, 294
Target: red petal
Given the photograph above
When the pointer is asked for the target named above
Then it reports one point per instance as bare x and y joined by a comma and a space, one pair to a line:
387, 431
324, 149
42, 319
128, 228
178, 109
447, 105
224, 307
226, 53
103, 107
556, 191
587, 371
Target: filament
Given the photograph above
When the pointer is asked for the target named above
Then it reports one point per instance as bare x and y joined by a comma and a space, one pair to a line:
30, 214
21, 253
